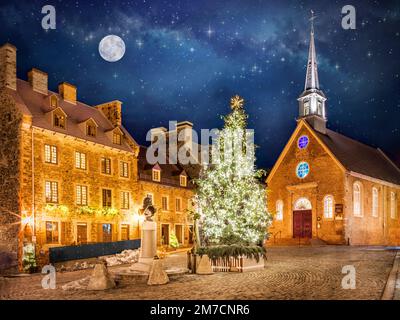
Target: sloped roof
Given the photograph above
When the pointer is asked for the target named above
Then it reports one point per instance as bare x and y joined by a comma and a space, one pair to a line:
169, 172
360, 158
36, 104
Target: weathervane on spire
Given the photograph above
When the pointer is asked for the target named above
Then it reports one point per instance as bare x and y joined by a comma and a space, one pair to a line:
312, 20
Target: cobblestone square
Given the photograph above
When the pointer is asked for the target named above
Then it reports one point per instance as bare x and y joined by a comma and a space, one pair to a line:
291, 273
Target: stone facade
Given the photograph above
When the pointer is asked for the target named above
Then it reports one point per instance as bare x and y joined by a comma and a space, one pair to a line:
171, 217
10, 183
69, 172
328, 177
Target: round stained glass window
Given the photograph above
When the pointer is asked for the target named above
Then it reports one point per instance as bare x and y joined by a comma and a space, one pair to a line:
302, 142
302, 170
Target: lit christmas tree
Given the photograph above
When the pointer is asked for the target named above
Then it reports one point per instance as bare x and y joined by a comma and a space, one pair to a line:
231, 199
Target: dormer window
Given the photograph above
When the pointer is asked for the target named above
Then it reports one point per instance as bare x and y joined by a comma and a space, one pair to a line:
156, 175
53, 102
59, 120
117, 139
183, 180
91, 130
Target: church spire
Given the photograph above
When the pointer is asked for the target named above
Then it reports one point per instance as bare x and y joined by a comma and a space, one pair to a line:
312, 81
312, 100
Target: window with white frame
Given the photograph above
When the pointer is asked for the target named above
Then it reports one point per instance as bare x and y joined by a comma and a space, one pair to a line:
156, 174
357, 197
375, 202
51, 191
178, 204
124, 169
105, 165
183, 181
124, 200
328, 207
164, 203
50, 154
393, 204
52, 232
80, 160
279, 210
81, 195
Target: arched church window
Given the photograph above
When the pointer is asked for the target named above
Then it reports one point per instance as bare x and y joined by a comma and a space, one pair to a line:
328, 207
302, 170
279, 210
357, 199
306, 107
319, 107
302, 142
375, 202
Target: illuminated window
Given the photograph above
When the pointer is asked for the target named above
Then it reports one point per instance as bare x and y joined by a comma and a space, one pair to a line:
91, 130
156, 175
328, 207
302, 204
59, 120
117, 138
178, 202
357, 199
80, 160
124, 200
302, 170
51, 191
106, 232
279, 210
124, 169
164, 203
106, 165
50, 154
81, 195
302, 142
393, 204
183, 181
375, 202
106, 197
51, 232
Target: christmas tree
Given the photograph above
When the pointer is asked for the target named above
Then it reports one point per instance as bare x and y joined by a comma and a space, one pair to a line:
231, 199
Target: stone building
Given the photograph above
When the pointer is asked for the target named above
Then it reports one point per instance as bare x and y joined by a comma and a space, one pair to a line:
69, 171
327, 186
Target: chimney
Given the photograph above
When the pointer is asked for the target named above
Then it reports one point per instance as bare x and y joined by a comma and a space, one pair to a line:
38, 80
8, 66
112, 111
67, 91
156, 132
186, 128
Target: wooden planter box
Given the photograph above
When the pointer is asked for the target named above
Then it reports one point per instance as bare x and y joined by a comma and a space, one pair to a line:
241, 264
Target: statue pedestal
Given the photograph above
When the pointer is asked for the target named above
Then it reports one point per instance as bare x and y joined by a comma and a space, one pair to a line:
148, 242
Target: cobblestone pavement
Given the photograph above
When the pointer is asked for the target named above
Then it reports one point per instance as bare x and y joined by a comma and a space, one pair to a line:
291, 273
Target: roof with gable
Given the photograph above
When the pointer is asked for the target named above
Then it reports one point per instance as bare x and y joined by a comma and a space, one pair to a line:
36, 105
360, 158
170, 173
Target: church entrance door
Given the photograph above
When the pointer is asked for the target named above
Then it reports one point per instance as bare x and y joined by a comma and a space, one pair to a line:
302, 224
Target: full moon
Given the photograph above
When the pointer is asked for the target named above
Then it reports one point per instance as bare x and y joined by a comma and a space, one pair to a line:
112, 48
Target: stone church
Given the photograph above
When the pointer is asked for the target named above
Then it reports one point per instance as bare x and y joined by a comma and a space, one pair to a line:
326, 187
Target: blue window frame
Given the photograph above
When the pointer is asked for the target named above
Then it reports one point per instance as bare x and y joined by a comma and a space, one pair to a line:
302, 142
302, 170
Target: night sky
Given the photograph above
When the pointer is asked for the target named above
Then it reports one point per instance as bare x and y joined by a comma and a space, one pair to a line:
185, 59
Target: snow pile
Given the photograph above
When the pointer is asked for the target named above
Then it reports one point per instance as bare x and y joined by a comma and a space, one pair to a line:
126, 256
77, 285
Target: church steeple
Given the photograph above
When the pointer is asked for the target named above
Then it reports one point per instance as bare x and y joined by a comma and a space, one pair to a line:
312, 100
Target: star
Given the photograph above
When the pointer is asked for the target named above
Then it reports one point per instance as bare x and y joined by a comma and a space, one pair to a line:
209, 31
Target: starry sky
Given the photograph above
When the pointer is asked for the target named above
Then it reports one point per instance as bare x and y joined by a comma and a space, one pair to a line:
184, 59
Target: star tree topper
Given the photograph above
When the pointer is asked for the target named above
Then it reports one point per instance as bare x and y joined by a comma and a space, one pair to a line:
237, 102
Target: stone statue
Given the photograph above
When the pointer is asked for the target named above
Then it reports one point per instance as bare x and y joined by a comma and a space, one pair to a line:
149, 233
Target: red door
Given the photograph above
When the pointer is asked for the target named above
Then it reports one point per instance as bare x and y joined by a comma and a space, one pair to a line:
302, 224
